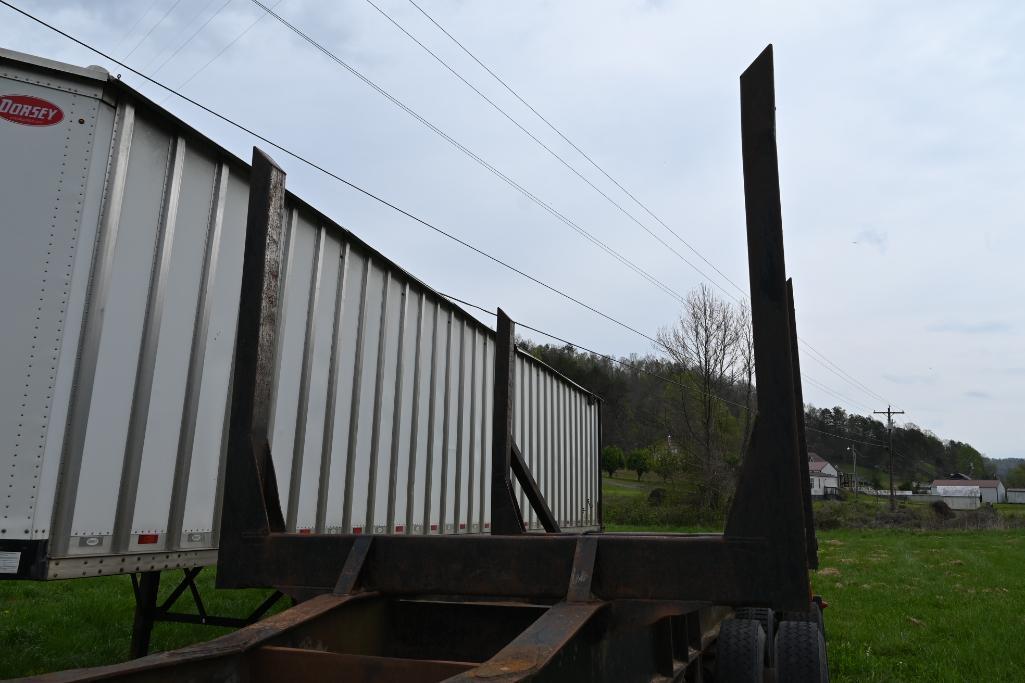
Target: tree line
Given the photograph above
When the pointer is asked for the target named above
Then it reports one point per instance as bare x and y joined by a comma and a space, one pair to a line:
685, 411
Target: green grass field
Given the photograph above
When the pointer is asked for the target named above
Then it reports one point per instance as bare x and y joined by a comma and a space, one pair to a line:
923, 606
49, 626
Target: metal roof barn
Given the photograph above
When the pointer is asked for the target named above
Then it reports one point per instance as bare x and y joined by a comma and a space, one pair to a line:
121, 275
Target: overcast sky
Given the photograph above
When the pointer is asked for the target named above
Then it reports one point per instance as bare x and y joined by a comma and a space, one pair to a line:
900, 139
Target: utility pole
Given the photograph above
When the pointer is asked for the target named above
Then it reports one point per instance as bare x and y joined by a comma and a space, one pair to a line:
889, 413
854, 454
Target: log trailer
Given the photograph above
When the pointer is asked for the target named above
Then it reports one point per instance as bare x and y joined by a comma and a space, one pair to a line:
537, 594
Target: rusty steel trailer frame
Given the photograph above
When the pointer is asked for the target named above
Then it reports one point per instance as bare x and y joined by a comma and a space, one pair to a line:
513, 605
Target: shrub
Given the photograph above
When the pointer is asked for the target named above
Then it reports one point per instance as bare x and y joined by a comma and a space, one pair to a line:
639, 461
612, 459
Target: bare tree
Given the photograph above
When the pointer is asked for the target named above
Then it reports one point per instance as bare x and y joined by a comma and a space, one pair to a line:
747, 373
711, 340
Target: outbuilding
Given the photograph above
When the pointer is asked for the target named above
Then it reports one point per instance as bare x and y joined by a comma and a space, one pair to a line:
957, 497
1016, 495
991, 490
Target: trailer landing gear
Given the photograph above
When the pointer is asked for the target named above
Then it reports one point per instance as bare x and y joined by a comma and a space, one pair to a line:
147, 612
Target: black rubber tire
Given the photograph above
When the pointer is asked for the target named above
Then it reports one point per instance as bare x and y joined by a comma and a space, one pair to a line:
740, 652
800, 653
813, 615
767, 618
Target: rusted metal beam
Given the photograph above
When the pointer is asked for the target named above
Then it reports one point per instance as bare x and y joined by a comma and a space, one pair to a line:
533, 492
354, 561
219, 659
707, 568
769, 499
250, 501
272, 663
811, 543
534, 649
583, 569
506, 517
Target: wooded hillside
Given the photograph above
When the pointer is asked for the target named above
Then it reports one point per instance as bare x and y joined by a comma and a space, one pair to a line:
647, 399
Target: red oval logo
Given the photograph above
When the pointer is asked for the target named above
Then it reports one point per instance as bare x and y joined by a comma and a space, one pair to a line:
29, 111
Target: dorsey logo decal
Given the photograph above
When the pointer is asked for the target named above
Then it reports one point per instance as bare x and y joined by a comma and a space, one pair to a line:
29, 111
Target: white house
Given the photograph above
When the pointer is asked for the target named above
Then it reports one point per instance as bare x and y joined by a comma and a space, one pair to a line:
824, 477
991, 490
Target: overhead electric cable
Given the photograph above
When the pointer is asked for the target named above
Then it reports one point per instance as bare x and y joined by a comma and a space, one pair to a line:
152, 28
475, 157
544, 205
135, 24
163, 50
548, 149
843, 375
823, 387
840, 371
223, 49
574, 146
638, 368
298, 157
325, 171
613, 359
845, 438
192, 37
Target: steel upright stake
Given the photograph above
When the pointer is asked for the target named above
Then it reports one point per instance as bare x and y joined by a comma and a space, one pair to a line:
251, 504
505, 512
773, 461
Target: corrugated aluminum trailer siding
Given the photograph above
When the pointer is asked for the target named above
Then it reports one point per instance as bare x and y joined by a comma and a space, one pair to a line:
382, 412
143, 443
556, 429
382, 416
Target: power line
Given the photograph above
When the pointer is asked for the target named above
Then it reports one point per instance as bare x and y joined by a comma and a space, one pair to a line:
192, 36
135, 24
545, 147
340, 179
845, 438
298, 157
489, 167
637, 368
574, 146
475, 157
839, 371
163, 50
152, 28
832, 367
224, 49
627, 364
823, 387
541, 203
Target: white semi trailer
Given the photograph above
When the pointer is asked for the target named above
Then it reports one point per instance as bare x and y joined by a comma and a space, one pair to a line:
119, 292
